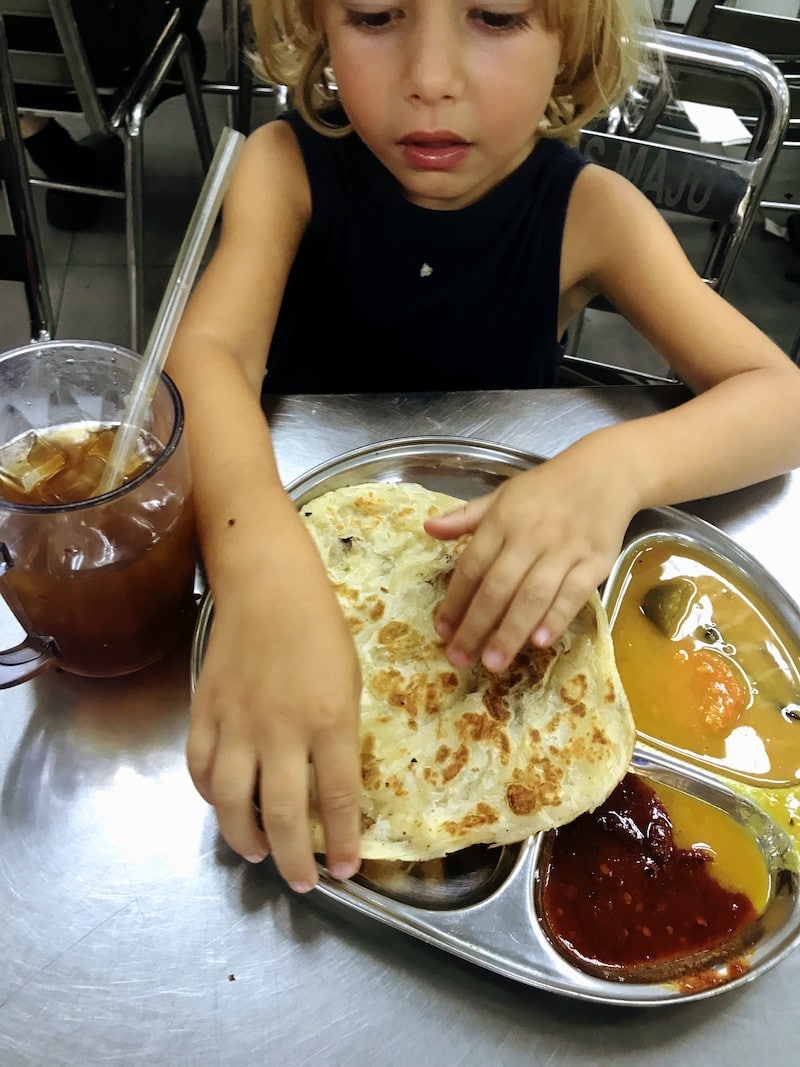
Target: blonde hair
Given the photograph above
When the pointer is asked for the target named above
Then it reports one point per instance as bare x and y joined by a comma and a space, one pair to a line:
601, 58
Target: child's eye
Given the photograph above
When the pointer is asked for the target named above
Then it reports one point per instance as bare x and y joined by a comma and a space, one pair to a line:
373, 20
499, 21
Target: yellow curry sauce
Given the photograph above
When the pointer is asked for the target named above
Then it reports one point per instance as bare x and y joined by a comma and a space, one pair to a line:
709, 671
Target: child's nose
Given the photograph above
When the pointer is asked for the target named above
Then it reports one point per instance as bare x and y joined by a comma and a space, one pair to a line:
435, 68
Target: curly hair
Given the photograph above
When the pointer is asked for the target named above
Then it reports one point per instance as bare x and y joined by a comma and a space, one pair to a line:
601, 58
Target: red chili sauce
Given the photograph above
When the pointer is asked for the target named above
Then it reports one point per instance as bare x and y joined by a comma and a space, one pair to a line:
618, 894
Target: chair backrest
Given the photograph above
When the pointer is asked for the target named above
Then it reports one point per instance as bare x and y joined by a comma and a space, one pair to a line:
49, 66
775, 36
695, 182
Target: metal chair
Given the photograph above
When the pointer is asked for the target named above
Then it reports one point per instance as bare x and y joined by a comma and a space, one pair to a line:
691, 182
21, 258
238, 84
775, 36
58, 81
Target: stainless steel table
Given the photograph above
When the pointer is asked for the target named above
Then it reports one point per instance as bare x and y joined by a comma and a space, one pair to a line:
130, 934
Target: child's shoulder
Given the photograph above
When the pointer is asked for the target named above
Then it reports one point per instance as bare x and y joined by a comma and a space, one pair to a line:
270, 168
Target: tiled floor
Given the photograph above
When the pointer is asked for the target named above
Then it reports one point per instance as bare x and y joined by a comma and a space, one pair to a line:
87, 273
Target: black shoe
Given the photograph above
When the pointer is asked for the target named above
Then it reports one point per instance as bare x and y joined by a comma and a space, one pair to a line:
96, 160
77, 211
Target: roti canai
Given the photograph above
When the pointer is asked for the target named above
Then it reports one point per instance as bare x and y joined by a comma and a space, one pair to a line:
456, 757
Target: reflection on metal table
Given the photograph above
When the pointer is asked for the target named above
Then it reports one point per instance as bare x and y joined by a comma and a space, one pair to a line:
131, 933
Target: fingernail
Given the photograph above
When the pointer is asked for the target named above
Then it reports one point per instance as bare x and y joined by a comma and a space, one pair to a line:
493, 659
301, 887
257, 858
345, 869
458, 657
443, 628
541, 637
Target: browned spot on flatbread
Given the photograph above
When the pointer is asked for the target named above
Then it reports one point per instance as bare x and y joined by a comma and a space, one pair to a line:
403, 641
416, 695
483, 815
367, 505
535, 786
346, 592
370, 767
456, 764
610, 695
355, 623
473, 727
496, 703
376, 609
600, 738
575, 688
396, 786
528, 671
442, 753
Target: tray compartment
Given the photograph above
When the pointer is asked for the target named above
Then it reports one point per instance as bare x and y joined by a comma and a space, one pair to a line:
456, 881
754, 748
757, 944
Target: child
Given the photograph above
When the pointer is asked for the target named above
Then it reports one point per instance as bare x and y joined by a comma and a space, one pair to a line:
445, 243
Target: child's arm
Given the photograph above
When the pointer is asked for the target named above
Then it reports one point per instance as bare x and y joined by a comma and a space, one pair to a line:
547, 538
279, 687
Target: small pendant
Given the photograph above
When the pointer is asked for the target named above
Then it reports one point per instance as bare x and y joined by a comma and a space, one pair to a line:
425, 271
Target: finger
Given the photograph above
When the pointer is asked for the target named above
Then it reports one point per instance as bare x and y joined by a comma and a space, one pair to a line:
488, 607
201, 747
456, 523
465, 581
536, 595
232, 783
338, 774
284, 813
572, 596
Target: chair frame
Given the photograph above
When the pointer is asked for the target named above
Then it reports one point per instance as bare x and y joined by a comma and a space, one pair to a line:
238, 84
775, 36
126, 119
640, 158
23, 247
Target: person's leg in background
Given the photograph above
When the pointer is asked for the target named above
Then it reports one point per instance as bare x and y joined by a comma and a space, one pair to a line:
117, 36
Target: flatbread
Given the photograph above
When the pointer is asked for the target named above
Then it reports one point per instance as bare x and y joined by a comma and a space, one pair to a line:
456, 757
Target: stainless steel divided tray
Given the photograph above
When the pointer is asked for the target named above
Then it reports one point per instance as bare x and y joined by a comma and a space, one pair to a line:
485, 908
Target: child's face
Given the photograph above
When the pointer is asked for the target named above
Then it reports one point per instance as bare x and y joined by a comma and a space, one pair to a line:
446, 94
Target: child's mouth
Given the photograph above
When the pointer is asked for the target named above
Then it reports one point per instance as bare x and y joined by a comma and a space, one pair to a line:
439, 150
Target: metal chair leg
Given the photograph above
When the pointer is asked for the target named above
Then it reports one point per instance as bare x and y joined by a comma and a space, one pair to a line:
195, 105
231, 29
28, 257
134, 231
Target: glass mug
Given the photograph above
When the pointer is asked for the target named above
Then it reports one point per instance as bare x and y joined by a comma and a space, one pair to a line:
102, 586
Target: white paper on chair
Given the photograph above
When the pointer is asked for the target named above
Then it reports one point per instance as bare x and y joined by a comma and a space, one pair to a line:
716, 125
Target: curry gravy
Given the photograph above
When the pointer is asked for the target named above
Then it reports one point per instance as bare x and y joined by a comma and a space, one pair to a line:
707, 668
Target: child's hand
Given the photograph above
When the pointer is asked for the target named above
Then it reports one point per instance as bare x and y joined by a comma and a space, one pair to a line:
541, 544
279, 689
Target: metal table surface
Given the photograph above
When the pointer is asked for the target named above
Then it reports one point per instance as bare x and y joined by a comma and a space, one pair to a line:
129, 933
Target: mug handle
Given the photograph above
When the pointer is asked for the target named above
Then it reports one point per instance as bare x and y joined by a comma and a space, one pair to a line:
31, 656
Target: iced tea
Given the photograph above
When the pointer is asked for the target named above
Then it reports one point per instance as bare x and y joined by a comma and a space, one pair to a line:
64, 465
109, 578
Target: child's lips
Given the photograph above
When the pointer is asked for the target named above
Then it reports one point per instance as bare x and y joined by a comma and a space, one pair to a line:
437, 150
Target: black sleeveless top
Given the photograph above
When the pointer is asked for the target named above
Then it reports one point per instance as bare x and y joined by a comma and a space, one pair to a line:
387, 296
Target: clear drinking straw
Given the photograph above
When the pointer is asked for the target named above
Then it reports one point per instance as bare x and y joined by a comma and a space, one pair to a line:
174, 300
